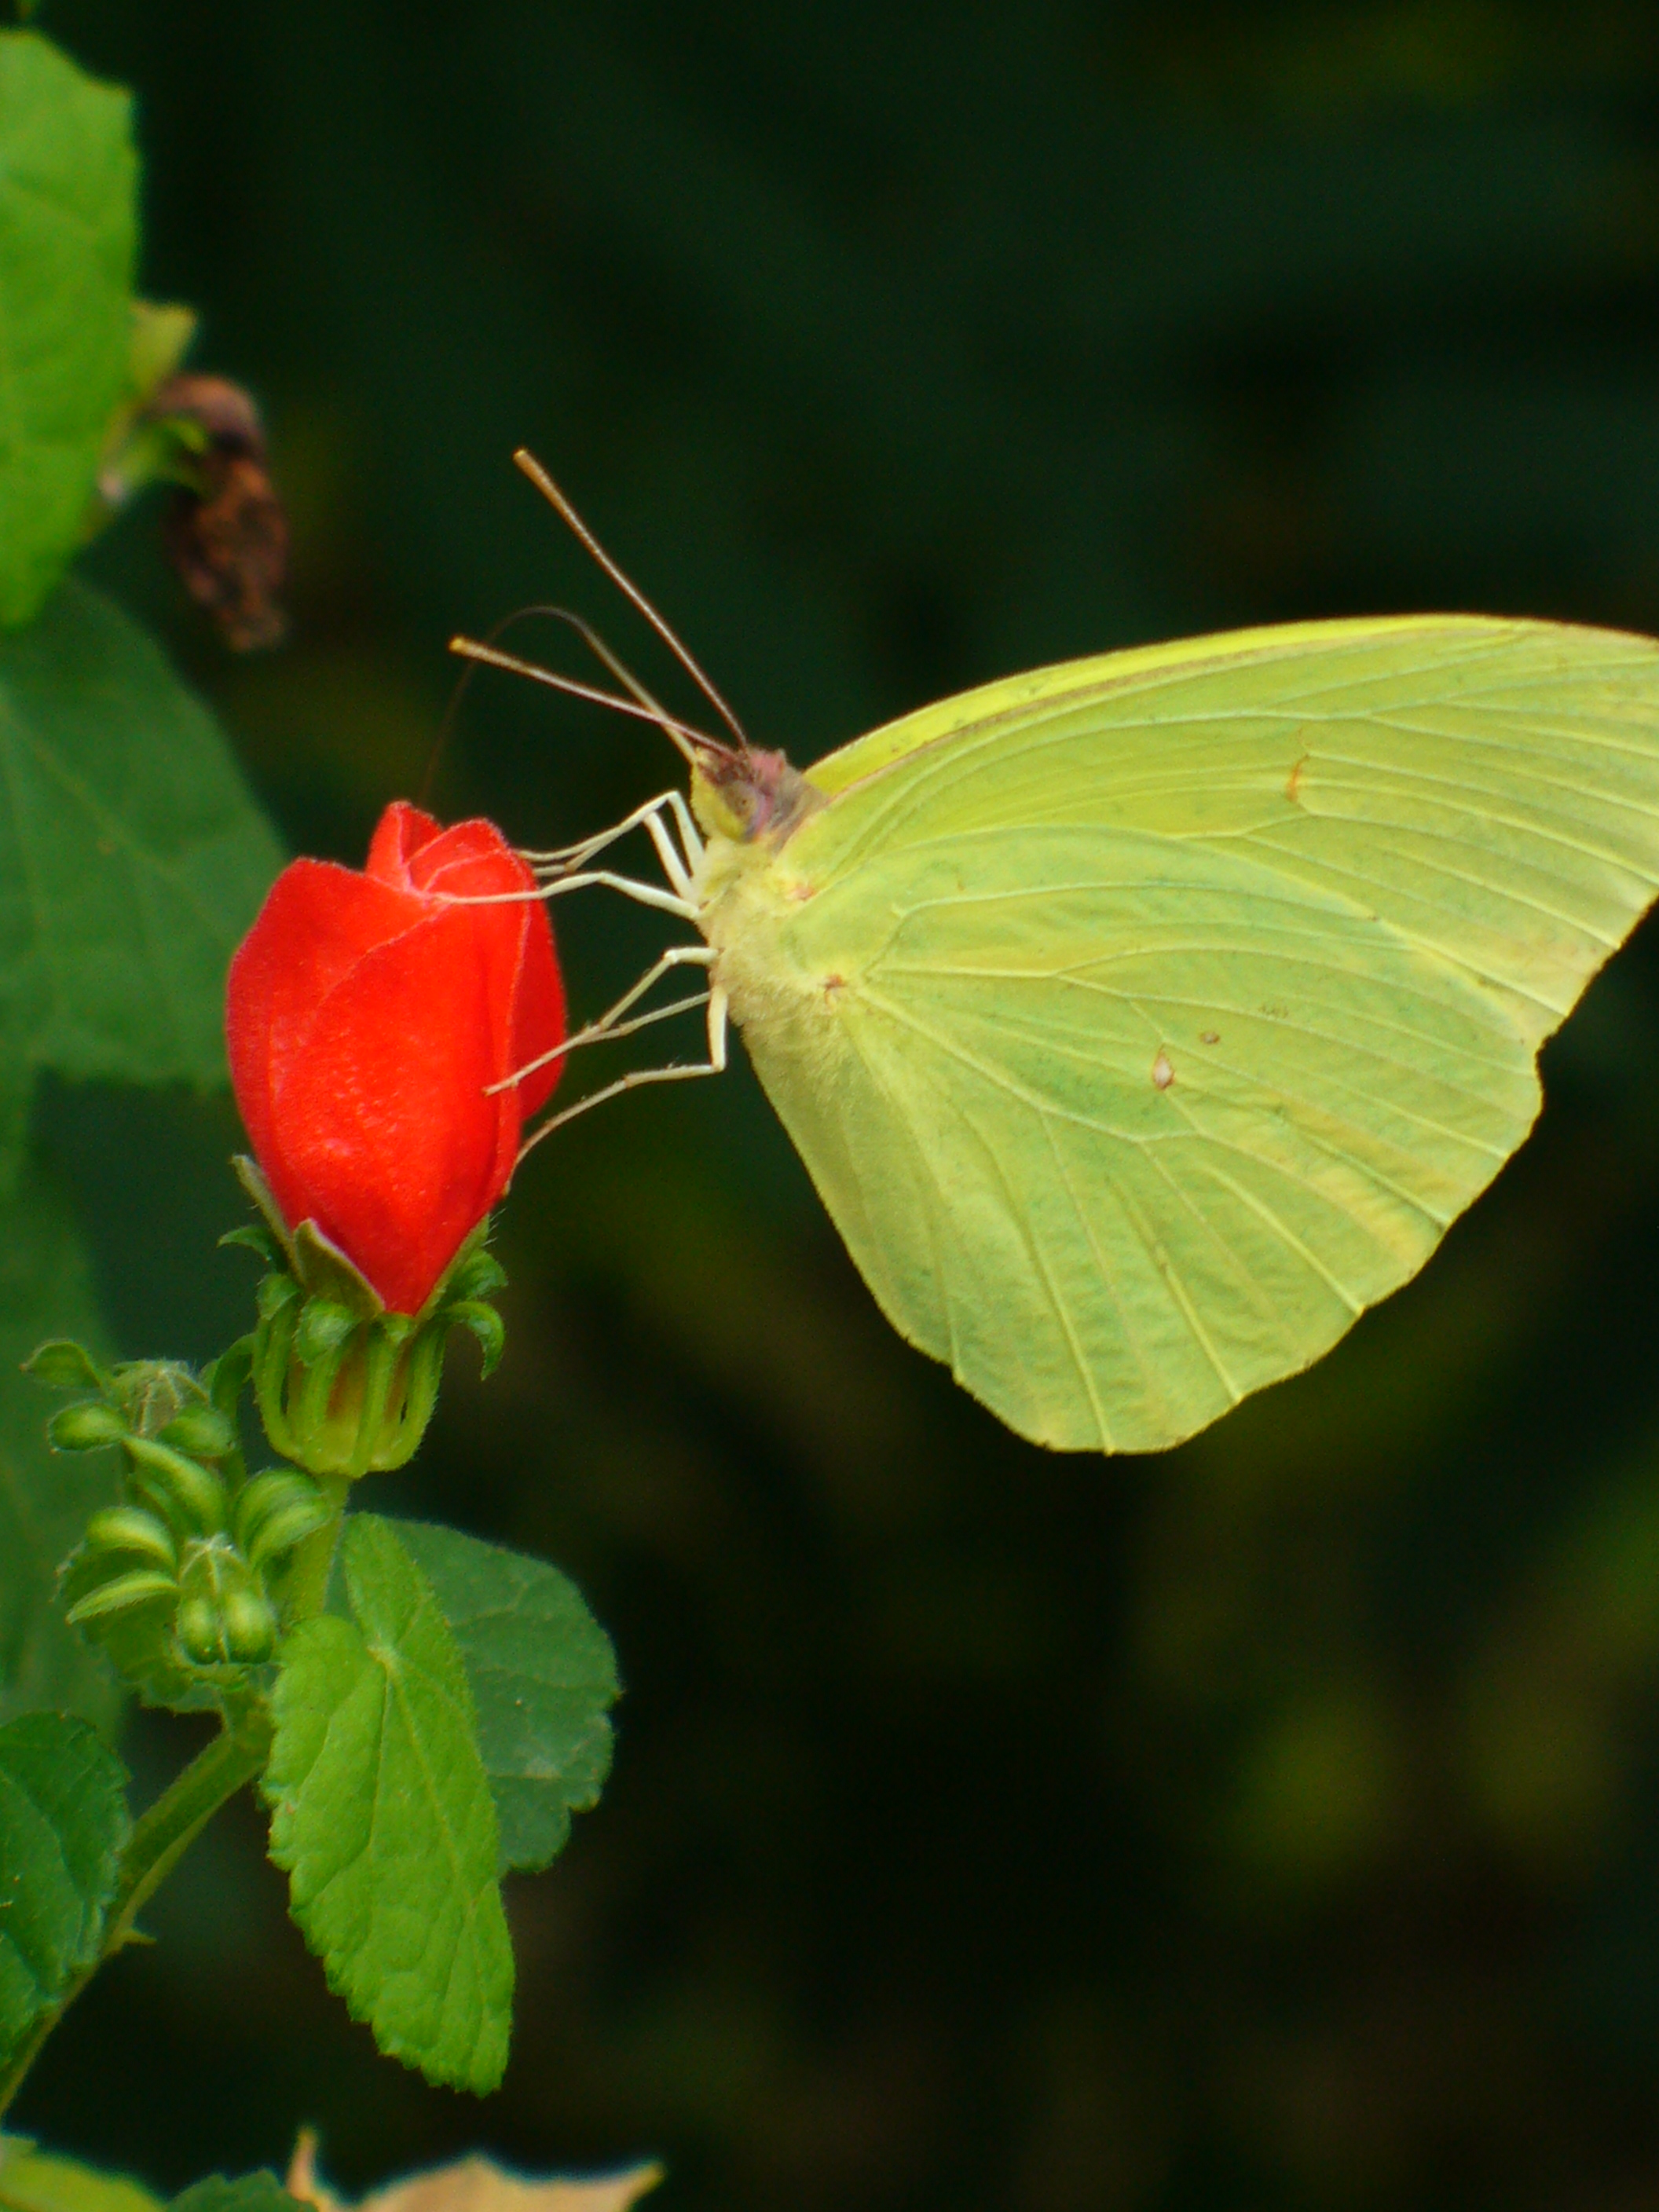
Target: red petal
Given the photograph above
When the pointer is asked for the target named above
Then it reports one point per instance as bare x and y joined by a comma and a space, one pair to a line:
383, 1116
316, 923
401, 832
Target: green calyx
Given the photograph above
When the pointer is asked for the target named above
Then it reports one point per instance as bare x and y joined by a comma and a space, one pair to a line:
186, 1582
344, 1388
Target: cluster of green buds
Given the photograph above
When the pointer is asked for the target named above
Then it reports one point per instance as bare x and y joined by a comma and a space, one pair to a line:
184, 1581
346, 1387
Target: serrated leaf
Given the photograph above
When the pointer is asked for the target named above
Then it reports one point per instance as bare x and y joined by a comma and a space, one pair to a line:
35, 2181
381, 1816
544, 1678
63, 1820
45, 1500
133, 857
248, 2192
68, 234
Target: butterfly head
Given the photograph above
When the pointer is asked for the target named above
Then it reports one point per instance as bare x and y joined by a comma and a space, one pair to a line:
749, 794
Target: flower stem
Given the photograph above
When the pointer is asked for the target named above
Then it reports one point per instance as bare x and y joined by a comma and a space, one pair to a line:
157, 1844
313, 1558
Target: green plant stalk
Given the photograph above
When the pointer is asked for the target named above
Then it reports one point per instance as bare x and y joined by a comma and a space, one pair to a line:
157, 1844
313, 1557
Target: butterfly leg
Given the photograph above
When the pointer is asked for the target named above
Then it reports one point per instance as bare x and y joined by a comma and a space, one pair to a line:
637, 1078
611, 1024
679, 862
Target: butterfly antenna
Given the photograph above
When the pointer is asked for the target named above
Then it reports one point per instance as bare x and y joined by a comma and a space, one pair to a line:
530, 466
695, 744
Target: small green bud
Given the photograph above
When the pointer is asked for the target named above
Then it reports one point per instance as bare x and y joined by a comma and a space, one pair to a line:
131, 1528
152, 1392
122, 1591
86, 1428
249, 1624
63, 1365
179, 1484
275, 1511
201, 1431
199, 1629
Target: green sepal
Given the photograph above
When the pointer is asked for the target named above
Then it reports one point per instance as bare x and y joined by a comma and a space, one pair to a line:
381, 1814
122, 1592
486, 1324
63, 1364
252, 1238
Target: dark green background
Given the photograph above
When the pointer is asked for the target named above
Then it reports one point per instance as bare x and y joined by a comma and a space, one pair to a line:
1273, 1824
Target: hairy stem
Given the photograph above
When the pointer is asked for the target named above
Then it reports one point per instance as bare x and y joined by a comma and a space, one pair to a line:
313, 1558
157, 1844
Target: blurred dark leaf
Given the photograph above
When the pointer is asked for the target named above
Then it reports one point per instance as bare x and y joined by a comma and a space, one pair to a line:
133, 857
64, 1821
45, 1497
69, 182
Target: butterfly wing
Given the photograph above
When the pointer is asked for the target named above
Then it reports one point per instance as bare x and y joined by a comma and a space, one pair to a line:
1144, 1020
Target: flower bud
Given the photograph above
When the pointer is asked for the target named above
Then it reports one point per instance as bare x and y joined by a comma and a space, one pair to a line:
86, 1428
201, 1431
131, 1528
375, 1023
275, 1511
248, 1624
199, 1631
182, 1487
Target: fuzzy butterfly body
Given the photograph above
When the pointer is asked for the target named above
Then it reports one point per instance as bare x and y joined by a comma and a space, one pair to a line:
1142, 1020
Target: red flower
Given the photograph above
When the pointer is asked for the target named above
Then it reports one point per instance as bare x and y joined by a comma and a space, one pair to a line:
367, 1016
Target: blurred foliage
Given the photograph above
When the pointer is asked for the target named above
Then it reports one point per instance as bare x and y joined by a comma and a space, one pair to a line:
1273, 1823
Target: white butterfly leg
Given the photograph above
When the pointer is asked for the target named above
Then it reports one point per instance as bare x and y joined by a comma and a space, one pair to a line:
611, 1024
678, 864
637, 1078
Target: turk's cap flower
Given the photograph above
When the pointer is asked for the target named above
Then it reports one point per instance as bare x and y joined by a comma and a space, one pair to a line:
371, 1017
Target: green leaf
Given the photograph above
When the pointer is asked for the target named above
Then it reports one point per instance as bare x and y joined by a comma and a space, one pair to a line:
68, 235
63, 1823
381, 1816
249, 2193
34, 2181
133, 857
544, 1678
45, 1500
